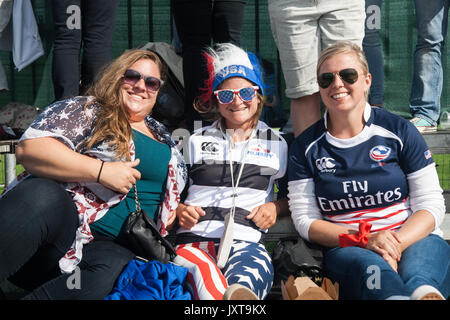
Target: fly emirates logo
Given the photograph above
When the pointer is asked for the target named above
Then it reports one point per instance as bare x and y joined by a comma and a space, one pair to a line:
355, 202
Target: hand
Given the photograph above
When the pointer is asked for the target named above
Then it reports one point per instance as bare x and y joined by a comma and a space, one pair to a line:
171, 220
387, 244
120, 176
264, 216
188, 215
392, 262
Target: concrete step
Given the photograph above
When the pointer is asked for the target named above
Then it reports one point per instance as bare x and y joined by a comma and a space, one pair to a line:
438, 142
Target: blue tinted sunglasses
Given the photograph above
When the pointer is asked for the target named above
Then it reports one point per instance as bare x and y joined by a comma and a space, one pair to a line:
226, 96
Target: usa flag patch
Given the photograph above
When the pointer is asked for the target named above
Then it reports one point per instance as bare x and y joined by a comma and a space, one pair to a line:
427, 154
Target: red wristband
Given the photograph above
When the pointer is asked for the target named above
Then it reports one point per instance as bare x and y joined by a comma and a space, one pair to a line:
359, 239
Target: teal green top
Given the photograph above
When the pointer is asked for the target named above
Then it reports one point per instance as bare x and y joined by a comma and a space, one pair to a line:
154, 160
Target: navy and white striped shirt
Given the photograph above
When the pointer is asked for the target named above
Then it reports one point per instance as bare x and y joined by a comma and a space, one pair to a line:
210, 179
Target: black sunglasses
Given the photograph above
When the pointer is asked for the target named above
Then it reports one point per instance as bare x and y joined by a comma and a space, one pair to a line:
131, 77
349, 75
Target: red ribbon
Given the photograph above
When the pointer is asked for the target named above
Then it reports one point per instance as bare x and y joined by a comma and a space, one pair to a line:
359, 239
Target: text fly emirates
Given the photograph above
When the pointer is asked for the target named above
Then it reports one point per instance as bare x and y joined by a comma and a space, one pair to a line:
364, 201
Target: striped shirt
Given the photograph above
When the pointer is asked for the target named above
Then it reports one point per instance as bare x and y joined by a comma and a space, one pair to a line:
210, 185
382, 175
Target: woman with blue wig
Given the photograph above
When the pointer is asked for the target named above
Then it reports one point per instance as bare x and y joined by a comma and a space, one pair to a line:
233, 165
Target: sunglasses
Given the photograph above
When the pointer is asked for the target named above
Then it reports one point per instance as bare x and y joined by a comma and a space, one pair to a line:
226, 96
349, 75
132, 77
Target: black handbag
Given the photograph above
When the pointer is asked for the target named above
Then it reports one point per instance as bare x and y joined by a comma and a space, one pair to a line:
141, 236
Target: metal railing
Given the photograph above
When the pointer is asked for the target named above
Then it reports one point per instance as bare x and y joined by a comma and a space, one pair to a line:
8, 149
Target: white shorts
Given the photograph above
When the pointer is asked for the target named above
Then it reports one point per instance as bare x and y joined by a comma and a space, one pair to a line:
302, 28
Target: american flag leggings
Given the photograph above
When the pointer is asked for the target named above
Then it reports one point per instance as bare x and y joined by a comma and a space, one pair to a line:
249, 264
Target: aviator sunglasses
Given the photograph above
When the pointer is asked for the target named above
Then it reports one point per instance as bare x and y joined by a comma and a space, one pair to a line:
349, 75
226, 96
132, 77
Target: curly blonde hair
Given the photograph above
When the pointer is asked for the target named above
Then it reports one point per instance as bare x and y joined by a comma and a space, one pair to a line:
112, 123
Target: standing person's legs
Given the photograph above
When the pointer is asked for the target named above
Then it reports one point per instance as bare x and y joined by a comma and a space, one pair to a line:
194, 26
228, 17
341, 21
427, 262
99, 19
295, 30
66, 50
426, 89
304, 112
38, 221
373, 51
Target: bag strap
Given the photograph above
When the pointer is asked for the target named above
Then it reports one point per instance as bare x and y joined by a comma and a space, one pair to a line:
138, 205
150, 224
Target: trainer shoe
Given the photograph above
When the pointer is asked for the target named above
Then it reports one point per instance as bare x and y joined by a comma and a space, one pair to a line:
423, 125
239, 292
426, 292
445, 121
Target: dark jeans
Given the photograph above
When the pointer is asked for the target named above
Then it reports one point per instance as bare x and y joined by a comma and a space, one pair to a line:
87, 24
38, 220
198, 23
373, 51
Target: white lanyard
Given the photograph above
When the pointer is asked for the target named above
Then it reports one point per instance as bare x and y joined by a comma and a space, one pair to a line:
233, 185
227, 237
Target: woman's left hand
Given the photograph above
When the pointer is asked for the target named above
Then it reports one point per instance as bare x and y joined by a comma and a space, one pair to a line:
264, 216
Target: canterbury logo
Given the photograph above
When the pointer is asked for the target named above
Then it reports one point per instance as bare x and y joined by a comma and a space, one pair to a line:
325, 164
210, 147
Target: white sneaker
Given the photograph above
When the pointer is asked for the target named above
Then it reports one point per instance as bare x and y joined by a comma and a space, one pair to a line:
426, 292
239, 292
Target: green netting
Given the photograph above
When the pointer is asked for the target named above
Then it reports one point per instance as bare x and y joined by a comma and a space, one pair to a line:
151, 21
